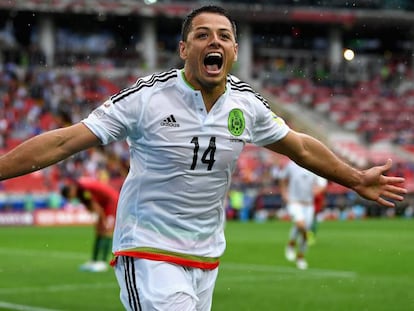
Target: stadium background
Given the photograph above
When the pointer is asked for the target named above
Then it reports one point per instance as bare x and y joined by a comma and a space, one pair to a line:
60, 59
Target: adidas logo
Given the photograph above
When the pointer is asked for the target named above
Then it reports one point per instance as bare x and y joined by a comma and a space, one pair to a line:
170, 121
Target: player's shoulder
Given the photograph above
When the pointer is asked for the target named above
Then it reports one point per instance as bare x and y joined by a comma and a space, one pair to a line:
239, 85
242, 89
292, 167
149, 83
157, 78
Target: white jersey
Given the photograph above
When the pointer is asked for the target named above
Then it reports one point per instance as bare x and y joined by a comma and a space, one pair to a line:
301, 183
181, 160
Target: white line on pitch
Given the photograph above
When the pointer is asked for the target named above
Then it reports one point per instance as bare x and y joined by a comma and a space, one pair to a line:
13, 306
290, 270
45, 253
57, 288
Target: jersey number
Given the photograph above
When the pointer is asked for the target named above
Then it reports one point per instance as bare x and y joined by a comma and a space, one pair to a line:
208, 155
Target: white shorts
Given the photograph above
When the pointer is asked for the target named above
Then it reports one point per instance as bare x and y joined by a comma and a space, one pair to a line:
148, 285
300, 212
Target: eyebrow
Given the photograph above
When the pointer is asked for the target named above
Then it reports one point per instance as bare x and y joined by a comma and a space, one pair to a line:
208, 28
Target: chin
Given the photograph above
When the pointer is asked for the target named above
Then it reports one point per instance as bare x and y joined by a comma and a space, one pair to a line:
216, 78
212, 83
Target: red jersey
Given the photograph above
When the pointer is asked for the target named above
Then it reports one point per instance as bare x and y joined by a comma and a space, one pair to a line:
102, 193
319, 202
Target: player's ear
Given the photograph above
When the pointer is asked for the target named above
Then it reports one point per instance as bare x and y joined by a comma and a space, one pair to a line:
182, 47
236, 51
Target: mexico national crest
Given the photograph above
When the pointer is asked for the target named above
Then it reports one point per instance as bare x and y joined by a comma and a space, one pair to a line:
236, 122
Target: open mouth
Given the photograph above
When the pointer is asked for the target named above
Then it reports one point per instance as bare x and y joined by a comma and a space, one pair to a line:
213, 62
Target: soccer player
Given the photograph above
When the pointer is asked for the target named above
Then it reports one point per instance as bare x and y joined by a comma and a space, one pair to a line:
298, 187
102, 199
186, 128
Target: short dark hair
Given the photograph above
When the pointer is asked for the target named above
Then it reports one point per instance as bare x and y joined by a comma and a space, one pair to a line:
64, 191
187, 23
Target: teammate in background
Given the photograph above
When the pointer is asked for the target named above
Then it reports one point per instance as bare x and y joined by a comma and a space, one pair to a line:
101, 199
298, 187
186, 129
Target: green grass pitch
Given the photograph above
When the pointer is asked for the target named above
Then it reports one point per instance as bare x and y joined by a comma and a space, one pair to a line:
364, 265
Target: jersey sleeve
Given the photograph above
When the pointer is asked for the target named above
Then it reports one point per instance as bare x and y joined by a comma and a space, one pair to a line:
268, 127
111, 122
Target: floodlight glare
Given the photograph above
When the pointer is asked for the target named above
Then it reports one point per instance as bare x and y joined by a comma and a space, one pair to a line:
349, 54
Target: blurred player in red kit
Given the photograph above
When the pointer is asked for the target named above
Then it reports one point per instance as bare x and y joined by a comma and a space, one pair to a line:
102, 199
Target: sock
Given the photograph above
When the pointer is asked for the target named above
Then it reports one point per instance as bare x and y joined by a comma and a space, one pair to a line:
106, 247
314, 226
96, 248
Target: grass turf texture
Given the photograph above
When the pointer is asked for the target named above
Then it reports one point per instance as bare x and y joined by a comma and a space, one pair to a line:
356, 265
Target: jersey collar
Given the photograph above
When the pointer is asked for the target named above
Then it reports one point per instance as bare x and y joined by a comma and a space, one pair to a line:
187, 85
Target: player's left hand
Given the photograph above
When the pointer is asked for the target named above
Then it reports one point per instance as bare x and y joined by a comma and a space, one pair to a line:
381, 188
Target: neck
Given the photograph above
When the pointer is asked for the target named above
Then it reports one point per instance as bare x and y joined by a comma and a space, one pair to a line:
210, 93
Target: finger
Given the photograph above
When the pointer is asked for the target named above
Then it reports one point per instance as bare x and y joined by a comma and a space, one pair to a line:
387, 165
384, 202
393, 196
394, 180
395, 189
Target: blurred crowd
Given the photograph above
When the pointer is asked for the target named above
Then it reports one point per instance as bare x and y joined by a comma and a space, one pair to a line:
377, 103
33, 101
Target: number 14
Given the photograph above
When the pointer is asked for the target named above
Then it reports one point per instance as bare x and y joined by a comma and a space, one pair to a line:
208, 155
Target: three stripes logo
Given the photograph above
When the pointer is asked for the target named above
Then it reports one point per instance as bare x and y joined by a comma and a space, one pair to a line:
170, 121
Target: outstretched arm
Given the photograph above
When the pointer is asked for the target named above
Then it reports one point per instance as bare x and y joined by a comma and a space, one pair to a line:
371, 184
46, 149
